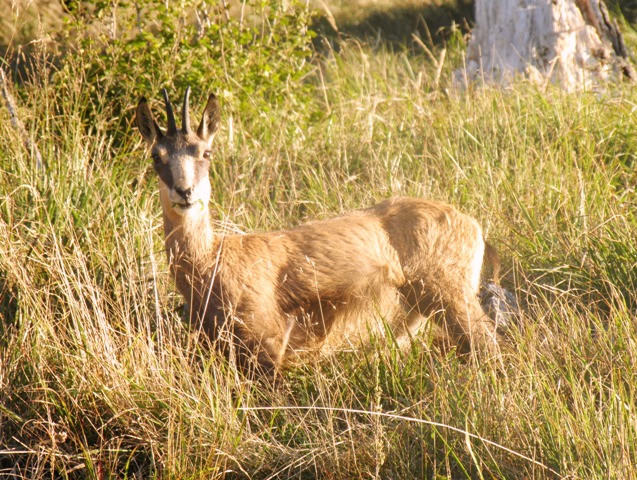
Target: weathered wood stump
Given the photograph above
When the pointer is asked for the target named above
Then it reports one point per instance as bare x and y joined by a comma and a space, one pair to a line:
573, 43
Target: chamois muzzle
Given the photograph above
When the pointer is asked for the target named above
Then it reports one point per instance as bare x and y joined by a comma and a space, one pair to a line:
185, 193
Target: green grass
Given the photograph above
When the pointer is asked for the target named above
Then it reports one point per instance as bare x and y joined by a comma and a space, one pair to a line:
100, 378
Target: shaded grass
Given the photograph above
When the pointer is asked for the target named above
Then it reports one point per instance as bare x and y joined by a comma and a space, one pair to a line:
394, 22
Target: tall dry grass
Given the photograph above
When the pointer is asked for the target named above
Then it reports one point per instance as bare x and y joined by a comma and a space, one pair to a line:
101, 378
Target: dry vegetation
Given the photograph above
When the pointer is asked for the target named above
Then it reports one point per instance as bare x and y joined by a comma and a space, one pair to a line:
99, 376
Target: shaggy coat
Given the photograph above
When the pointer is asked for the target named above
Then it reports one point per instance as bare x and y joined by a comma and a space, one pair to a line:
323, 285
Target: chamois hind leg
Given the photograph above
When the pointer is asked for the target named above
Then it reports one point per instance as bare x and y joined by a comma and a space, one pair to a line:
456, 311
464, 319
466, 323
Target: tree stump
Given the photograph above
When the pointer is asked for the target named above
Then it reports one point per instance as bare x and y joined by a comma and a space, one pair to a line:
573, 43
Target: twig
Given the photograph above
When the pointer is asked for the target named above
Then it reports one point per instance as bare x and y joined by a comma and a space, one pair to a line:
409, 419
29, 144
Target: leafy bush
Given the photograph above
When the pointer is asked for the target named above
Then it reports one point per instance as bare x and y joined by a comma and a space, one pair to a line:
254, 57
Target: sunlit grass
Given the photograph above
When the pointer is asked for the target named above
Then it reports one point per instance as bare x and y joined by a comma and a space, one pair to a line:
100, 378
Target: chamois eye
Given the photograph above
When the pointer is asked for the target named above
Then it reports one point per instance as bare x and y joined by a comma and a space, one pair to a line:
156, 158
206, 154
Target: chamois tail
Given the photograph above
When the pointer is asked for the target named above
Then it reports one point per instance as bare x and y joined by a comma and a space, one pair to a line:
492, 262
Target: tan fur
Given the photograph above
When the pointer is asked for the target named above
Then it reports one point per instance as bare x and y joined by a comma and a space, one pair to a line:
324, 285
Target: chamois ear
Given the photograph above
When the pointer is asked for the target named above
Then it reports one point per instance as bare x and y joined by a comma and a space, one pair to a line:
146, 123
210, 119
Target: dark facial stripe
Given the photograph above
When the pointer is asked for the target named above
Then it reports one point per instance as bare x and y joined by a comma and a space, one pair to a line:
165, 174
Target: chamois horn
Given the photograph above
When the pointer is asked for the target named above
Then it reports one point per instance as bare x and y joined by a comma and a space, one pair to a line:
172, 125
185, 117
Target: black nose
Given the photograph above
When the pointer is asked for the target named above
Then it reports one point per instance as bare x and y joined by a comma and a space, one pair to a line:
184, 193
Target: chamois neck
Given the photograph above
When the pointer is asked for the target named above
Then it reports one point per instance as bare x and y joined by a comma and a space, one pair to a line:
187, 237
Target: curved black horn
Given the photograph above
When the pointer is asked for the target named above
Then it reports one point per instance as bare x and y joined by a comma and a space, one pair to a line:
185, 117
172, 125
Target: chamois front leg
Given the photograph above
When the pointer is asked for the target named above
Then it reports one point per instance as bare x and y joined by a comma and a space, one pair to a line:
261, 341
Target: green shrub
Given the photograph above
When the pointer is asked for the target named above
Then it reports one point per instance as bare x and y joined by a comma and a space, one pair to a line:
254, 57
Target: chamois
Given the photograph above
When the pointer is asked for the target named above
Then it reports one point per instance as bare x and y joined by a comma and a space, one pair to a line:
320, 286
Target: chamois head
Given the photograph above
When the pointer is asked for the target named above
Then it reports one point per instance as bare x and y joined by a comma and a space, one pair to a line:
181, 157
